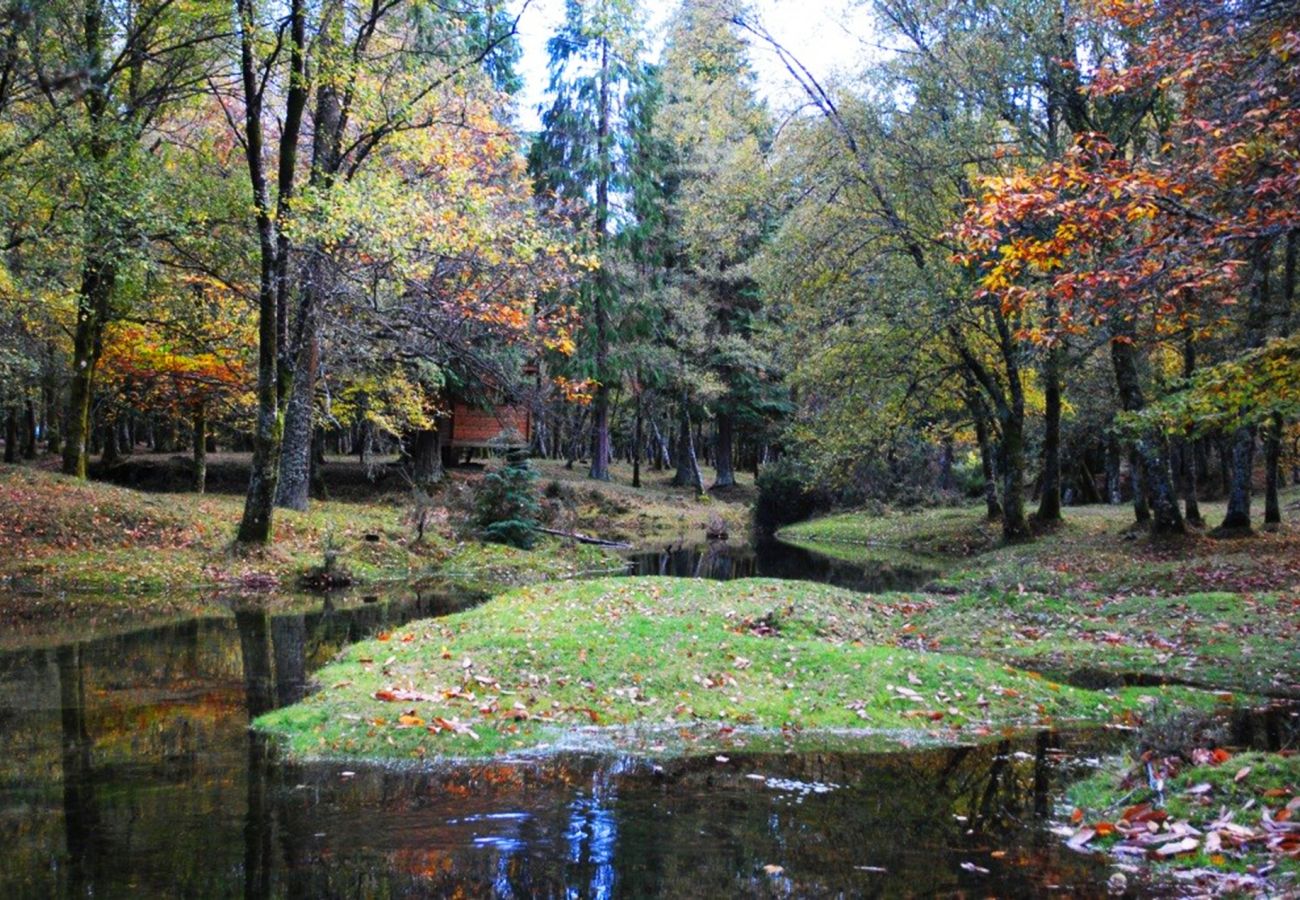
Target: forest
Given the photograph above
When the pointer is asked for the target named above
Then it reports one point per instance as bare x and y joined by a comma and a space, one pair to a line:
1042, 256
989, 324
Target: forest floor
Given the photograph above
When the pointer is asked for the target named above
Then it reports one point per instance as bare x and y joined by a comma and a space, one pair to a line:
145, 548
58, 534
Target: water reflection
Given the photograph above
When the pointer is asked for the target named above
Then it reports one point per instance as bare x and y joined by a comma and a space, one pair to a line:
127, 769
776, 559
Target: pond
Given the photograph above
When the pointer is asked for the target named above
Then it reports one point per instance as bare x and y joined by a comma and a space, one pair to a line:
770, 558
127, 769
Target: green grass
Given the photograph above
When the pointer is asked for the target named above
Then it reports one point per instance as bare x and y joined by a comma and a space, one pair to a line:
652, 665
1090, 598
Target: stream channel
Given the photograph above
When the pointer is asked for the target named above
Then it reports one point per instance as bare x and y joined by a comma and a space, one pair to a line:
127, 770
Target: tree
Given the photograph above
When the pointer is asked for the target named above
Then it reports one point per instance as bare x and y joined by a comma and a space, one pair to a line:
580, 158
390, 88
89, 87
1171, 236
718, 134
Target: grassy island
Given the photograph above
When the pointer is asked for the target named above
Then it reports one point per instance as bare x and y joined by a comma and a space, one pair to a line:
655, 665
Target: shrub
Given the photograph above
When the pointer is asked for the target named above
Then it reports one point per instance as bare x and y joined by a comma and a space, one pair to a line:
785, 495
506, 508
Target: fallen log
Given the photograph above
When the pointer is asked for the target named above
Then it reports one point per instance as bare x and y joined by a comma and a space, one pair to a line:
586, 539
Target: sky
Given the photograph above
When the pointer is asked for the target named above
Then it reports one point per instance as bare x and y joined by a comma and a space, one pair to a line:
825, 35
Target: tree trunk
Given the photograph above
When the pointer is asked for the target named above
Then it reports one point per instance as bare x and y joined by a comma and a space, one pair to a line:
97, 279
600, 408
1240, 468
688, 467
112, 454
200, 449
1015, 527
98, 275
1187, 456
294, 485
683, 476
1236, 520
1141, 509
1187, 467
600, 446
426, 458
1167, 518
1049, 504
1272, 464
723, 463
637, 438
992, 507
661, 455
29, 430
259, 502
11, 435
1114, 484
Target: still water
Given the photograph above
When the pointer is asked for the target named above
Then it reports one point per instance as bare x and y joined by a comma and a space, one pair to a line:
127, 770
891, 571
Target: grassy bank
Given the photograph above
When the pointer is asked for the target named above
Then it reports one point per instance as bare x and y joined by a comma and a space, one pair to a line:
1090, 600
654, 514
665, 665
60, 534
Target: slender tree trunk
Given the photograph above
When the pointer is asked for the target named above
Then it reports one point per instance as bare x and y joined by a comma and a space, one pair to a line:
1015, 527
1114, 486
1153, 458
637, 437
1236, 520
98, 274
600, 407
1049, 503
683, 476
1187, 455
259, 503
1187, 467
688, 467
29, 430
200, 423
300, 346
97, 279
1272, 462
980, 418
661, 456
11, 435
723, 463
1141, 509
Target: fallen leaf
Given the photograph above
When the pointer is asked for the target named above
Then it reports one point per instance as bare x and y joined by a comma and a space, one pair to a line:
1081, 838
1186, 845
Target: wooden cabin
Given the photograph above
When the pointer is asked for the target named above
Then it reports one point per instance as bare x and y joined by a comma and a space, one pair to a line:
495, 428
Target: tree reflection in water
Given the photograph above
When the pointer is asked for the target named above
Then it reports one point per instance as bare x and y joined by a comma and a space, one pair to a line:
127, 769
